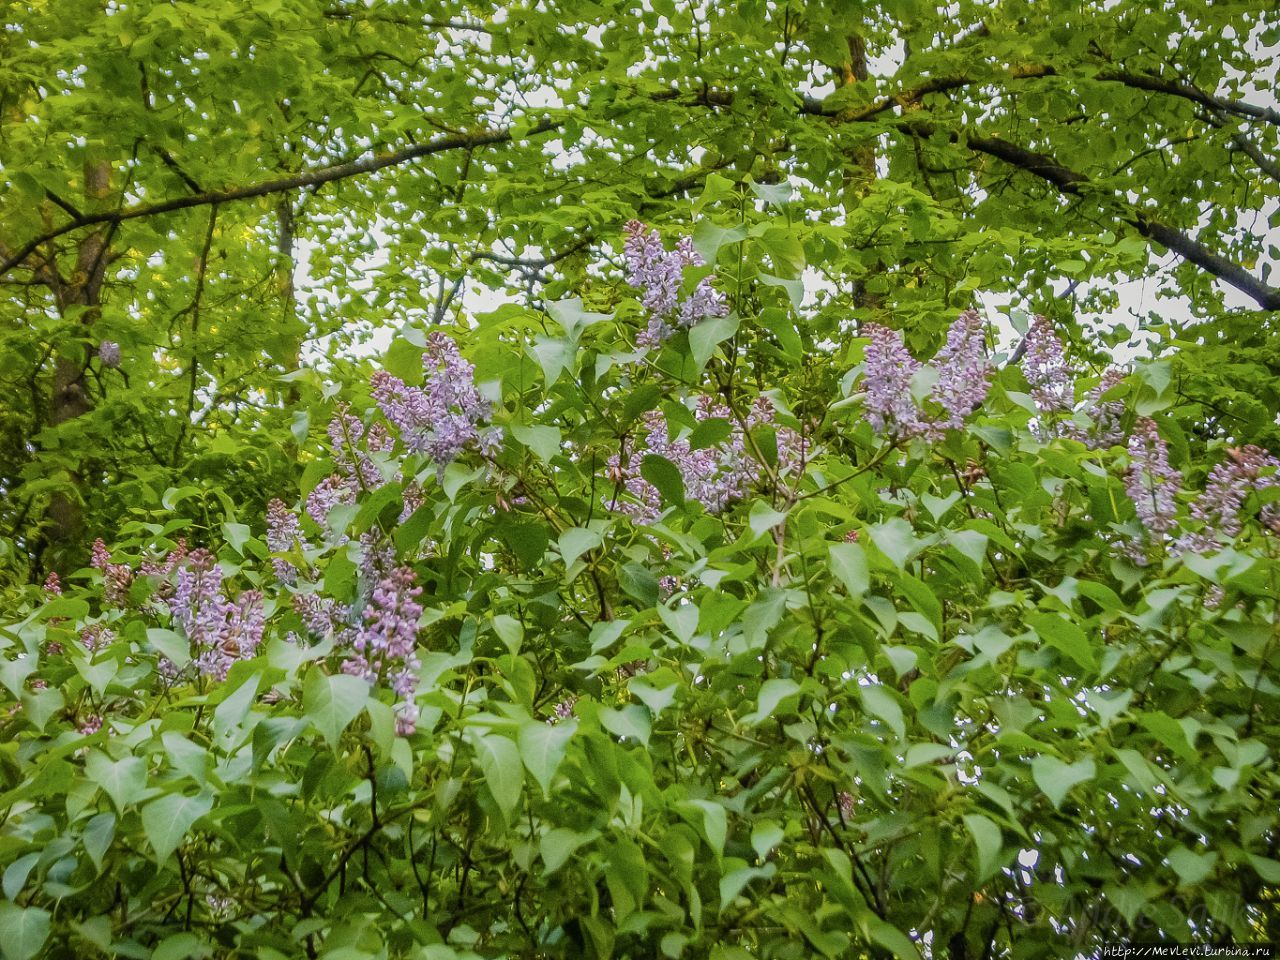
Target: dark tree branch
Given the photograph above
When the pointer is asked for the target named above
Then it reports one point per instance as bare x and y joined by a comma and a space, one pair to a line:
1187, 91
369, 17
307, 178
1070, 182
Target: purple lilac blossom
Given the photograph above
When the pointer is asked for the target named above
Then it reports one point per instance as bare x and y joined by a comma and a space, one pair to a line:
964, 372
52, 585
384, 648
284, 533
1108, 415
887, 377
412, 499
322, 616
97, 636
109, 354
377, 557
792, 445
333, 491
116, 577
1246, 470
1045, 366
714, 476
658, 275
162, 567
1151, 484
443, 416
90, 725
220, 631
562, 710
351, 444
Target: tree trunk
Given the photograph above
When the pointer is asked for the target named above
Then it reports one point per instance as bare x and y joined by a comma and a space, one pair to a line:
80, 294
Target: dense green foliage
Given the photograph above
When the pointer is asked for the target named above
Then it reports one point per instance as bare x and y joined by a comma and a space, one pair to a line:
982, 690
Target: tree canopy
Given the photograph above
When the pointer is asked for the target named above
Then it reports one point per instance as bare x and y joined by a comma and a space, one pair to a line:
578, 479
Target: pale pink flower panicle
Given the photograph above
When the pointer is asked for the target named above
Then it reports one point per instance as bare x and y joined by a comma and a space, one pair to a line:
1152, 485
659, 274
1044, 364
384, 647
444, 416
962, 377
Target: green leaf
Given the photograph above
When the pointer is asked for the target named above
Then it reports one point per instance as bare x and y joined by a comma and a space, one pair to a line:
167, 820
708, 334
180, 946
236, 535
1055, 778
714, 822
576, 541
172, 646
632, 722
639, 583
766, 835
573, 318
1065, 636
764, 518
542, 439
662, 473
527, 540
554, 355
881, 703
23, 930
1192, 868
849, 564
542, 748
15, 875
559, 844
97, 836
889, 936
708, 238
503, 771
896, 540
772, 693
124, 781
987, 839
332, 702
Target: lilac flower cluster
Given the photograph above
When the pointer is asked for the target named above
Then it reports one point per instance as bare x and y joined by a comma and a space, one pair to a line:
1108, 415
1219, 509
562, 710
221, 631
384, 648
90, 724
659, 274
714, 476
1152, 485
97, 636
1045, 366
163, 566
377, 630
284, 533
333, 491
352, 443
116, 577
962, 379
964, 373
52, 585
446, 414
109, 354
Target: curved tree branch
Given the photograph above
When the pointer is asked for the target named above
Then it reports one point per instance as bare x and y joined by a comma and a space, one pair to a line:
307, 178
1183, 244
